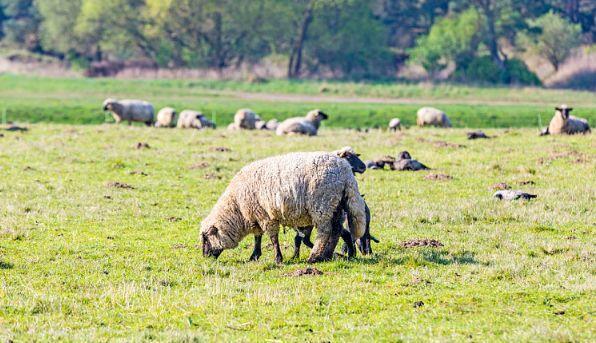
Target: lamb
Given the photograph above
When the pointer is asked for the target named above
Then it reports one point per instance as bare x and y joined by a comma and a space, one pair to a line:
564, 123
166, 117
303, 234
293, 190
405, 162
308, 125
130, 110
394, 124
190, 119
430, 116
513, 195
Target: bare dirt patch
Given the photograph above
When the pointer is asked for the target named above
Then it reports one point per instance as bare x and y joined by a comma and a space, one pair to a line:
138, 172
500, 186
221, 149
121, 185
433, 243
438, 177
142, 145
200, 165
305, 272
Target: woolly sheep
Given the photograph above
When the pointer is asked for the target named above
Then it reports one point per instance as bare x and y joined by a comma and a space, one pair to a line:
166, 117
130, 110
272, 124
293, 190
189, 119
246, 119
564, 123
394, 124
303, 234
430, 116
308, 125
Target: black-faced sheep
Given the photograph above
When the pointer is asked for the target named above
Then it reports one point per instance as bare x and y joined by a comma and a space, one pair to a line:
308, 125
189, 119
564, 123
166, 117
430, 116
303, 234
130, 110
293, 190
394, 124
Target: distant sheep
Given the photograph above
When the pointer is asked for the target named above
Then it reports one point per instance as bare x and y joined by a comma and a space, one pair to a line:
166, 117
245, 119
189, 119
308, 125
130, 110
394, 124
405, 162
293, 190
430, 116
564, 123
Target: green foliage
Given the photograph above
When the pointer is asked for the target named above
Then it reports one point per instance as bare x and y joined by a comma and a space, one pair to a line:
552, 38
453, 39
484, 70
19, 23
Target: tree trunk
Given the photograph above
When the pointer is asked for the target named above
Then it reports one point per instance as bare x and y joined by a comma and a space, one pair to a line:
295, 63
493, 45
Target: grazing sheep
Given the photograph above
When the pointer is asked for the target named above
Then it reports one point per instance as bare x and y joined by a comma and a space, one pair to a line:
189, 119
246, 119
166, 117
430, 116
380, 163
293, 190
564, 123
405, 162
308, 125
513, 195
130, 110
394, 124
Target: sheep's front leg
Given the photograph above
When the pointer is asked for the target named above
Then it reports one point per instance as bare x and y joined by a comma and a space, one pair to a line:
256, 253
348, 246
275, 241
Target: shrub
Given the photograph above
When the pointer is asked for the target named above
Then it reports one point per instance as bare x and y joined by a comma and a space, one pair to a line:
484, 70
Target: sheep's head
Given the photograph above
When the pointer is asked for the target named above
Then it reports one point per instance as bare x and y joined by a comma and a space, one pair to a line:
353, 159
316, 115
211, 242
564, 110
108, 104
404, 155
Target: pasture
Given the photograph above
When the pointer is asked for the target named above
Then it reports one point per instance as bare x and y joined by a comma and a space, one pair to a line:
99, 240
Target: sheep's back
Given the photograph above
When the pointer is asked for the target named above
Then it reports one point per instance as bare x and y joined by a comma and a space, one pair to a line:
137, 110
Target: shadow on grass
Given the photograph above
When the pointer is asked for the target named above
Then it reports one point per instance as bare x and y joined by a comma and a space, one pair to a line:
6, 265
444, 258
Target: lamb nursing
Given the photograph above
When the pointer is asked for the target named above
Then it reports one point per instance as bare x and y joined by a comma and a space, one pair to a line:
293, 190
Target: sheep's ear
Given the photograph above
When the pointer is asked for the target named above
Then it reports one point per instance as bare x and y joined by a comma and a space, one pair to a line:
569, 109
342, 153
557, 108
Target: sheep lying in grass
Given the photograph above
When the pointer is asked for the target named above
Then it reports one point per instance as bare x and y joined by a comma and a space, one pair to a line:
430, 116
189, 119
166, 117
130, 110
564, 123
245, 119
293, 190
394, 124
405, 162
308, 125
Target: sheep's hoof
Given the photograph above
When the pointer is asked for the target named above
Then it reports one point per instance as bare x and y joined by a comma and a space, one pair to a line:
254, 257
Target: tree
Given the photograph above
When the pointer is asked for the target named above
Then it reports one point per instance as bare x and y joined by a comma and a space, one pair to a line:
58, 20
555, 38
452, 39
20, 24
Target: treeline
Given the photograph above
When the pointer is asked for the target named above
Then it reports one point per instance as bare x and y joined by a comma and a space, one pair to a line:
342, 38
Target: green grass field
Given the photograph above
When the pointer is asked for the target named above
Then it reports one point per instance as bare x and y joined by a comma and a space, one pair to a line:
78, 101
81, 260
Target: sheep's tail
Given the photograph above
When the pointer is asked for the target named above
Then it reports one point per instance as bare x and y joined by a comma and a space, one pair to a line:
355, 209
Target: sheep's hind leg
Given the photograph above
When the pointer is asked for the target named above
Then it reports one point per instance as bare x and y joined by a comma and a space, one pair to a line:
275, 241
302, 236
257, 250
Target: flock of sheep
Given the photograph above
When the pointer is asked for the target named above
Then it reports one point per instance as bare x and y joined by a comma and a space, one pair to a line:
300, 190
